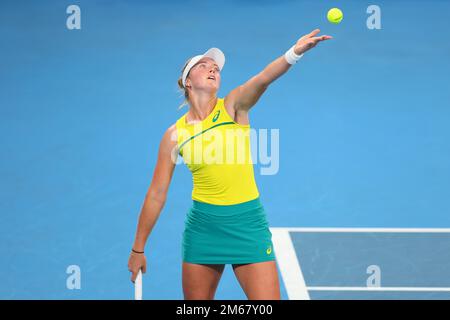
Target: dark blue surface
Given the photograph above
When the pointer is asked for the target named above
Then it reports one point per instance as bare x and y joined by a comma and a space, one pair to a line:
341, 259
333, 295
405, 259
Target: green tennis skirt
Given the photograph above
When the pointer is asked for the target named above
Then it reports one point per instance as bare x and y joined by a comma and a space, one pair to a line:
227, 234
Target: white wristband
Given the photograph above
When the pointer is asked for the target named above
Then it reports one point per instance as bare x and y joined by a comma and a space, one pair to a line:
291, 57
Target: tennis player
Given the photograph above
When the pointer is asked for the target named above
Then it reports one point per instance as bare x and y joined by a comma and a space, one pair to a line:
227, 222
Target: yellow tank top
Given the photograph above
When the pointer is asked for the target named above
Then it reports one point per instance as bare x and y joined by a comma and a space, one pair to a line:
217, 151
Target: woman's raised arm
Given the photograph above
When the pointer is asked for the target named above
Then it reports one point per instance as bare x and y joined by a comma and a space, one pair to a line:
246, 95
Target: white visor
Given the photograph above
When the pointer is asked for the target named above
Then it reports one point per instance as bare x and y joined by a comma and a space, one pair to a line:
213, 53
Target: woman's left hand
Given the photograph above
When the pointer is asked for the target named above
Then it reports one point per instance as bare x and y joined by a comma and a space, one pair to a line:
309, 41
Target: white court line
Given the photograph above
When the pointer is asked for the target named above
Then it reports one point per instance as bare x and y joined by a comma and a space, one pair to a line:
396, 230
410, 289
288, 264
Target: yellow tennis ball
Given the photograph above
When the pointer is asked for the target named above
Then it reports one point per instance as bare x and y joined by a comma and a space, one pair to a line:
335, 15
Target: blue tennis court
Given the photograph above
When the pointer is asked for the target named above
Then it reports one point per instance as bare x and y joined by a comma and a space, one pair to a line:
355, 180
364, 263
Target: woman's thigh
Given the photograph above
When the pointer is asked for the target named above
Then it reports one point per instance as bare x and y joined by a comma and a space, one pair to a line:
259, 280
200, 281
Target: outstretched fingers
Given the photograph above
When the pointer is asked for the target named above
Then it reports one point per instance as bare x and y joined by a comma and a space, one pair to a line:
321, 38
313, 33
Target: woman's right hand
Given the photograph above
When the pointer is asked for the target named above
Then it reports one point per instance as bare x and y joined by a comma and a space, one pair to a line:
136, 262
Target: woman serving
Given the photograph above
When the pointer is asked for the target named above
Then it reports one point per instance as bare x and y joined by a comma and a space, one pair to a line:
227, 222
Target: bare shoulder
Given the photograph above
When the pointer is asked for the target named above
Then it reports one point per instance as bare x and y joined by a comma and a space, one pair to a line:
169, 139
230, 104
172, 129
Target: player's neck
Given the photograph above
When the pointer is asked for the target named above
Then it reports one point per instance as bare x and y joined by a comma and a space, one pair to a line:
201, 106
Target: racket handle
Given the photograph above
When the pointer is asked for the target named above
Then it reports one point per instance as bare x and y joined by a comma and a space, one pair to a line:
138, 286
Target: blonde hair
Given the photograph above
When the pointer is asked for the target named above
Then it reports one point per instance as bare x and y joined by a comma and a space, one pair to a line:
182, 89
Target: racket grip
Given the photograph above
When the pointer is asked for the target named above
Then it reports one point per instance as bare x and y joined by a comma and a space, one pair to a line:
138, 286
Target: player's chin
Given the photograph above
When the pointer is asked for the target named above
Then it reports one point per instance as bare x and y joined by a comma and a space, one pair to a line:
216, 84
212, 85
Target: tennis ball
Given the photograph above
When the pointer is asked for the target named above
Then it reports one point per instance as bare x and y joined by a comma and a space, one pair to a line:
335, 15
